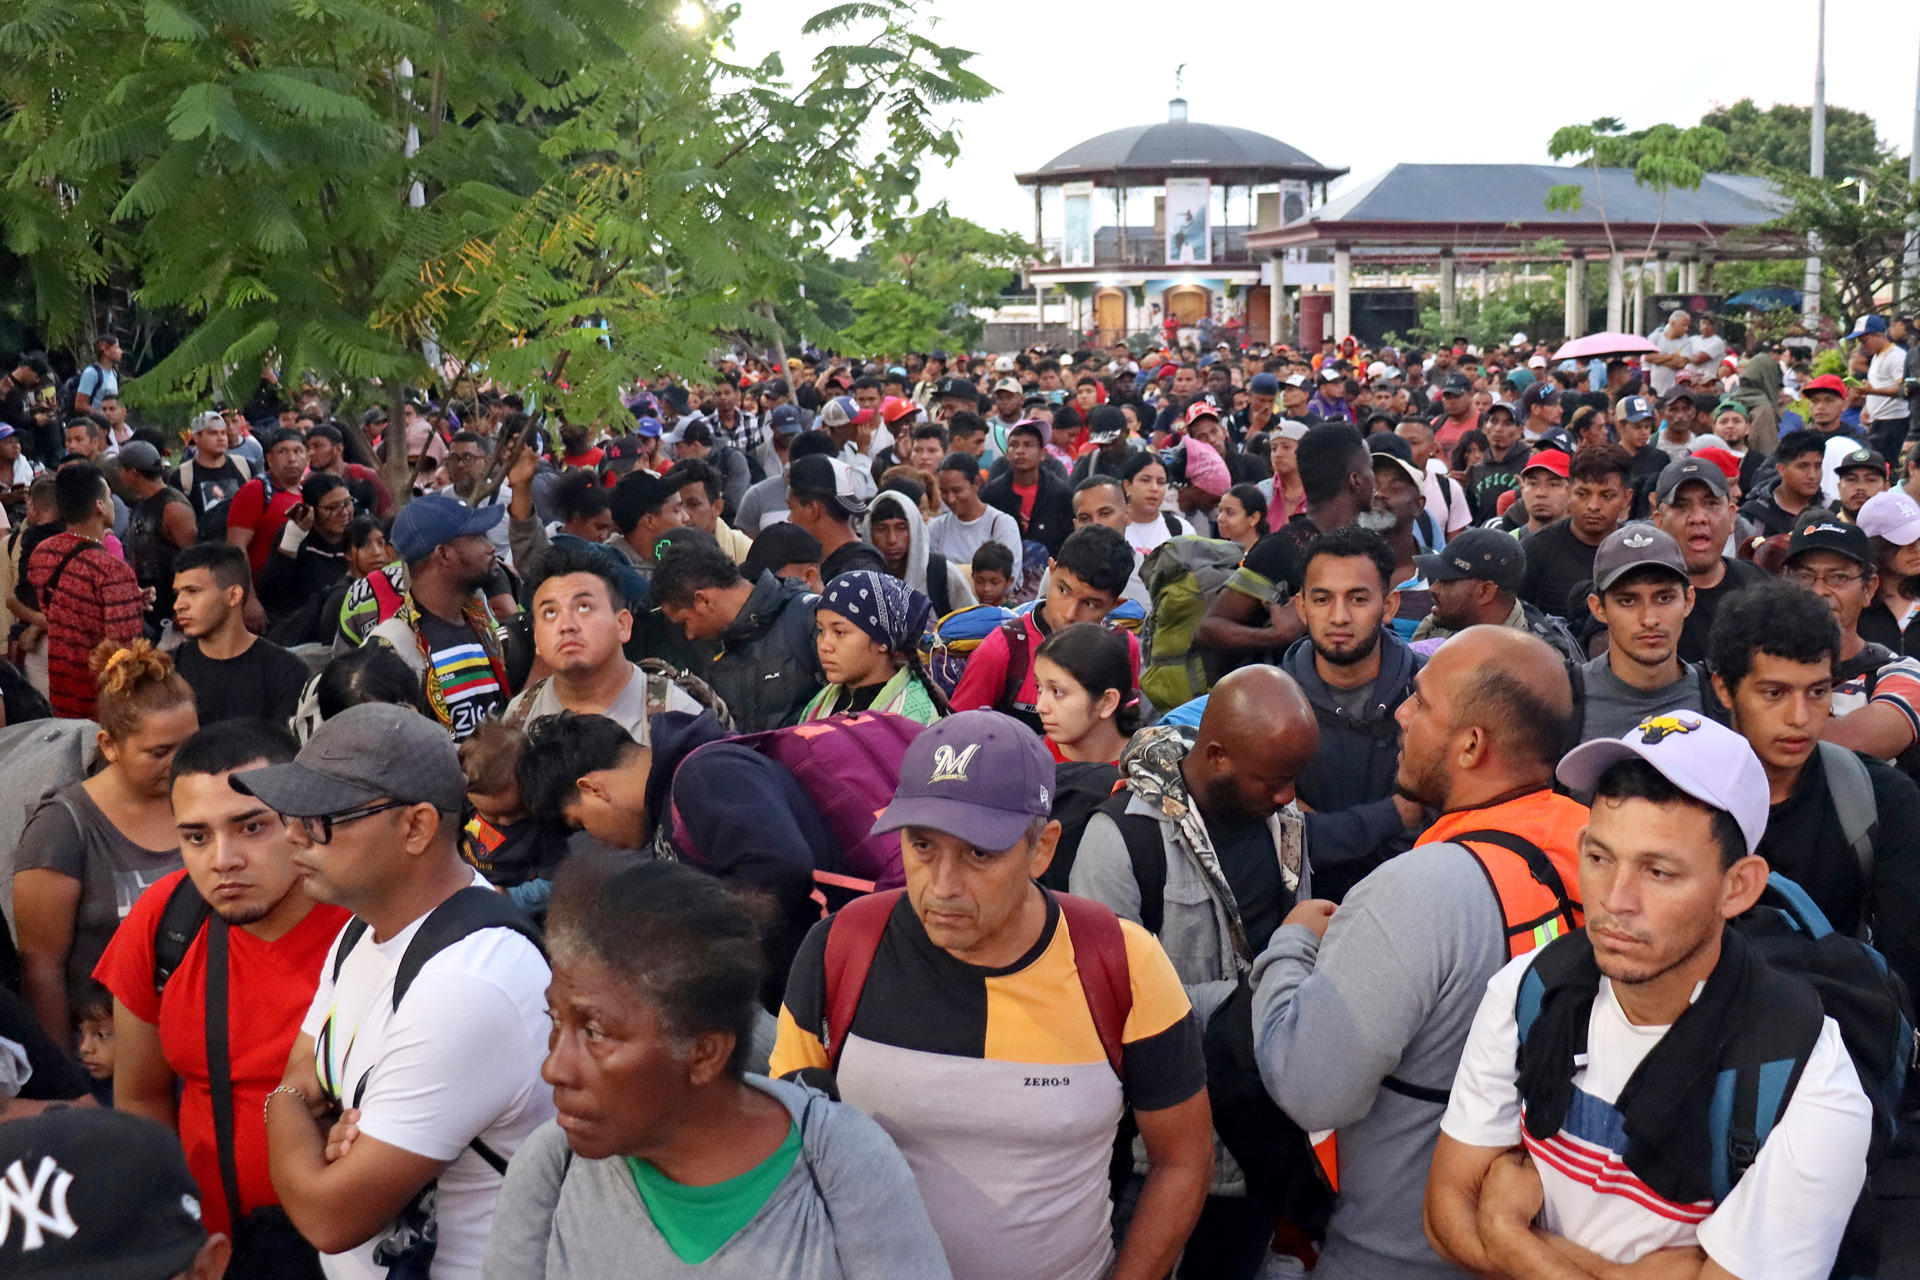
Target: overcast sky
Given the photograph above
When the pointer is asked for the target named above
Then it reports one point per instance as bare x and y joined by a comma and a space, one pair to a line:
1421, 83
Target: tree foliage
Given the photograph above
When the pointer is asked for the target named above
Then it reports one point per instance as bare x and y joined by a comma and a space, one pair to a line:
1661, 158
925, 276
1862, 228
596, 191
1781, 137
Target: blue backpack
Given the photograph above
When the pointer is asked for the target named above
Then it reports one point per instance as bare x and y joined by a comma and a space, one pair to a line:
955, 637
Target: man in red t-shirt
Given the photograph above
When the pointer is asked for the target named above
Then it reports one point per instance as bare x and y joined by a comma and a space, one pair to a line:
259, 510
239, 860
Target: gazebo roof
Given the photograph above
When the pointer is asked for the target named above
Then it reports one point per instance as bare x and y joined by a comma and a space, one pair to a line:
1179, 147
1480, 204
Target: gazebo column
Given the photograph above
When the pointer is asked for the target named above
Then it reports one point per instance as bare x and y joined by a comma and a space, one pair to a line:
1616, 290
1039, 305
1640, 298
1690, 275
1703, 279
1038, 241
1576, 310
1660, 272
1276, 296
1448, 285
1342, 291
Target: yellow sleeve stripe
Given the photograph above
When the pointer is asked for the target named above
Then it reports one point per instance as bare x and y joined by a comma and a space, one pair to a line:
794, 1048
1159, 1000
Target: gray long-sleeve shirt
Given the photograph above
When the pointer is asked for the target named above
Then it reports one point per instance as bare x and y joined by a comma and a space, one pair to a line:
848, 1209
1391, 991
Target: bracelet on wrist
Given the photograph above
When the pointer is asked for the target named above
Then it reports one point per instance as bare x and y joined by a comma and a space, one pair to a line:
295, 1090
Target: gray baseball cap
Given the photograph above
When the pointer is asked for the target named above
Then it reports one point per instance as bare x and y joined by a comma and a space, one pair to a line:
1708, 761
978, 776
1636, 546
138, 455
366, 753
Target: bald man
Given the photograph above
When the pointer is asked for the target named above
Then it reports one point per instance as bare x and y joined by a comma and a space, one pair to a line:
1214, 884
1360, 1012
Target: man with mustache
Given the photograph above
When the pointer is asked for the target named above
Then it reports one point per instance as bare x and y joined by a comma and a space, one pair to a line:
1550, 1161
1641, 595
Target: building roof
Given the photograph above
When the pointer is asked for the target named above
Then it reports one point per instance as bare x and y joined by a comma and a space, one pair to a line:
1508, 202
1152, 152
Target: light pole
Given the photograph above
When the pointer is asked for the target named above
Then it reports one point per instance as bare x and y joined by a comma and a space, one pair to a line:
1810, 287
1912, 272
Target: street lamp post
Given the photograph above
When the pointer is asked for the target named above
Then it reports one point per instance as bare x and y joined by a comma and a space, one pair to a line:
1810, 295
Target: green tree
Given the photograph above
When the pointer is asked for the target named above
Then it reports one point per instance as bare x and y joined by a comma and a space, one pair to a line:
1662, 158
925, 276
1781, 137
565, 192
1863, 227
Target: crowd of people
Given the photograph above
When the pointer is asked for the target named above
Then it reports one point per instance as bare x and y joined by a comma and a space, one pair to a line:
1038, 816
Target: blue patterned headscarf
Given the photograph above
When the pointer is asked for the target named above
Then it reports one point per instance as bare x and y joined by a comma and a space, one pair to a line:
881, 605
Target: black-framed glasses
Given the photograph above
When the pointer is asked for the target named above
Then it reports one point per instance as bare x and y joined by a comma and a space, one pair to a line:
319, 828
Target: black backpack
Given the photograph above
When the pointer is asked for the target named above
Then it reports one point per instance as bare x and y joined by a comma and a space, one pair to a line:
1081, 788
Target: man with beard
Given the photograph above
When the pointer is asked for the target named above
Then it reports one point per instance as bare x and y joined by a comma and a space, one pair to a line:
1360, 1012
1642, 595
1398, 515
1858, 475
1694, 506
1234, 857
1355, 672
1560, 556
1550, 1162
241, 884
440, 624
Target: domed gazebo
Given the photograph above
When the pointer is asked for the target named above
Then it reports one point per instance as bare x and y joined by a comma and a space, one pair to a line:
1185, 267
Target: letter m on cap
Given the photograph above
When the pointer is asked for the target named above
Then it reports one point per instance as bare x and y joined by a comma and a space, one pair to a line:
20, 1200
950, 765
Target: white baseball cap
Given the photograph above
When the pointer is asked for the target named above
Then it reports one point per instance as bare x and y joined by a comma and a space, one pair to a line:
1003, 365
1708, 761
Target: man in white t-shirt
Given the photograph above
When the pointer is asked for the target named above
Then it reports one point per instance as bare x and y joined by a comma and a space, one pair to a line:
397, 1103
1547, 1164
1705, 353
1671, 349
968, 523
1885, 414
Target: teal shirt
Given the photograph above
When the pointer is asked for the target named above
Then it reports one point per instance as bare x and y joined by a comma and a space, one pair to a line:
696, 1221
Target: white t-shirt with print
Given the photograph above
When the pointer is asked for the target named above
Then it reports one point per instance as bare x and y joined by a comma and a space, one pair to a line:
1887, 369
1784, 1218
1147, 535
459, 1059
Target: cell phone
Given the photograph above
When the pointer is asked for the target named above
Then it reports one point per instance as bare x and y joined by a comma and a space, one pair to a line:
297, 511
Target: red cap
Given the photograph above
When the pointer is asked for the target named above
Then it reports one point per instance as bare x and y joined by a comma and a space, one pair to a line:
1201, 409
1721, 459
1825, 382
893, 408
1548, 460
1505, 500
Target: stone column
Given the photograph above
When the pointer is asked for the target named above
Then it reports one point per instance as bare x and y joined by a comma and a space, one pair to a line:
1616, 290
1449, 307
1276, 297
1342, 291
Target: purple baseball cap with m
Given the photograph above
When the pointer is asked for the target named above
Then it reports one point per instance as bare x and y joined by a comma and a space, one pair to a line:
978, 776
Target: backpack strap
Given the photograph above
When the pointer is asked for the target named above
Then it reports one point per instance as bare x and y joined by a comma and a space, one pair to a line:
220, 1063
1100, 959
350, 936
937, 587
470, 911
1382, 729
1534, 904
1851, 789
1147, 853
44, 596
853, 938
180, 923
1173, 522
1019, 661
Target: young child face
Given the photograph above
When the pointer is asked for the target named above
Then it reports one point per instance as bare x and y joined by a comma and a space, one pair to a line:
989, 587
96, 1047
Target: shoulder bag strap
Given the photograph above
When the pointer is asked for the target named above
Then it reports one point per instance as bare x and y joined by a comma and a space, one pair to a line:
59, 570
1106, 979
220, 1065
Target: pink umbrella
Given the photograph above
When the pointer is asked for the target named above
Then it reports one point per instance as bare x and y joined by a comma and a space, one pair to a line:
1605, 344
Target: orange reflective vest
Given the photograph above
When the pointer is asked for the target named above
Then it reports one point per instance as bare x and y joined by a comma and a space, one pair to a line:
1526, 849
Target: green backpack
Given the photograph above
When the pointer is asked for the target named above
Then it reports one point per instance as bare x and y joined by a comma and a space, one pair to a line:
1182, 577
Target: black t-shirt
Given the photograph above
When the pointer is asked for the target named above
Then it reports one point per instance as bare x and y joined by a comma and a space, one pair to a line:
263, 683
1693, 636
1247, 855
1772, 519
1879, 626
1557, 562
211, 486
1300, 528
1804, 843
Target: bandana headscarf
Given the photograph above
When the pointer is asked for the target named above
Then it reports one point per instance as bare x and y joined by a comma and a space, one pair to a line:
881, 605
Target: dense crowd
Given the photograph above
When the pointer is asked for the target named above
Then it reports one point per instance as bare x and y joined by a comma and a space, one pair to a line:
1044, 816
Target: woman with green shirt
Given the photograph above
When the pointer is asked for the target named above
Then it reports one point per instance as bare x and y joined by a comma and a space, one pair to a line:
867, 633
667, 1159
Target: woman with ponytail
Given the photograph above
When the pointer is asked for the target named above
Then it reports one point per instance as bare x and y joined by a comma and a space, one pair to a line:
867, 633
1087, 700
90, 848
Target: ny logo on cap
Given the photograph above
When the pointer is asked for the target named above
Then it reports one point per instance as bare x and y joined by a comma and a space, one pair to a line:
1655, 728
951, 766
21, 1199
1637, 540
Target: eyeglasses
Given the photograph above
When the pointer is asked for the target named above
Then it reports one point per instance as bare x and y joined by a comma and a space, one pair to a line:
1837, 581
319, 829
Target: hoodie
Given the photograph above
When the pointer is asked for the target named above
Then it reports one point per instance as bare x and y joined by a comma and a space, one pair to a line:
768, 669
1352, 823
959, 585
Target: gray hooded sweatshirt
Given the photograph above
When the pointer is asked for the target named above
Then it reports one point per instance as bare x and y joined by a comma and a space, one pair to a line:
848, 1210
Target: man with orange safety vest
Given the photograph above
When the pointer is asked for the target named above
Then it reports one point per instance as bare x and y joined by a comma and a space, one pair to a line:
1360, 1012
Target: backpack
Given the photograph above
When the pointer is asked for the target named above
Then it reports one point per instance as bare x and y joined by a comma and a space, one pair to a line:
954, 638
1183, 577
472, 910
1867, 1001
662, 679
848, 765
212, 523
1080, 789
1100, 962
1850, 788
